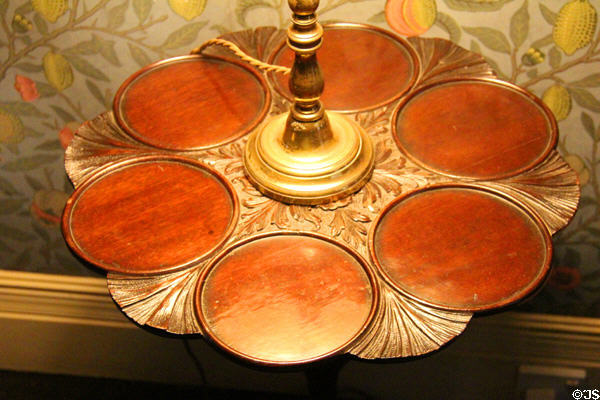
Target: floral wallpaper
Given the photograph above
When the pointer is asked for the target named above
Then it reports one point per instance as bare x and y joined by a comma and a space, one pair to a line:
61, 62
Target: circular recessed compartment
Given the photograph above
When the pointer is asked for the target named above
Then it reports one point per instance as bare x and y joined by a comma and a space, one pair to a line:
461, 248
286, 298
363, 67
474, 128
191, 102
150, 215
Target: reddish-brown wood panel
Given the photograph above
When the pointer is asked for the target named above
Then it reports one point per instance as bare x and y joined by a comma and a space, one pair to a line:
286, 299
480, 129
150, 216
461, 248
191, 102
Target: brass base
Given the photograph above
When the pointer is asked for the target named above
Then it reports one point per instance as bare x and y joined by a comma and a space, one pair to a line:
313, 174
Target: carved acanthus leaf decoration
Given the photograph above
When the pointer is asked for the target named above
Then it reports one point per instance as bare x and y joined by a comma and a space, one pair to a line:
441, 59
350, 225
392, 176
258, 213
550, 189
164, 301
403, 328
227, 159
375, 122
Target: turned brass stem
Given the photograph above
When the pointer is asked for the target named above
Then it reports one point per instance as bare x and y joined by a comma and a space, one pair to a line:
307, 126
308, 156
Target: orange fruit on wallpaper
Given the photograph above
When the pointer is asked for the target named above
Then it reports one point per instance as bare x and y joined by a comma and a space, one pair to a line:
188, 9
66, 134
26, 88
50, 9
564, 278
410, 17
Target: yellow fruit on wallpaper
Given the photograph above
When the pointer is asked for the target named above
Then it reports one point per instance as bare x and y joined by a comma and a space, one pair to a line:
410, 17
578, 165
188, 9
533, 56
50, 9
11, 128
58, 71
21, 24
575, 25
558, 99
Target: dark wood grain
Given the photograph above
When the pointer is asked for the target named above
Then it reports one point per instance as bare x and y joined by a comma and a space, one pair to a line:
461, 248
479, 129
286, 299
191, 102
363, 68
150, 216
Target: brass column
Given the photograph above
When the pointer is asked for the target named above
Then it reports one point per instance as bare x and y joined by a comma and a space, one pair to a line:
308, 156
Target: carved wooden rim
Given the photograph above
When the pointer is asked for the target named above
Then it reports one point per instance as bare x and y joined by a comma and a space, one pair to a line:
552, 125
119, 96
531, 287
205, 326
397, 316
401, 42
134, 161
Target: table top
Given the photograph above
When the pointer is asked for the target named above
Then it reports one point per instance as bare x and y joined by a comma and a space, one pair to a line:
457, 218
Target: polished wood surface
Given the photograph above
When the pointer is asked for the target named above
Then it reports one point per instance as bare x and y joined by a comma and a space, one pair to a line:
153, 215
286, 299
191, 102
402, 325
461, 248
362, 68
479, 129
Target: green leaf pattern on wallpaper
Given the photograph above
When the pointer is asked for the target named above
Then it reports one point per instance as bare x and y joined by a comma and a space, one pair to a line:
55, 55
61, 62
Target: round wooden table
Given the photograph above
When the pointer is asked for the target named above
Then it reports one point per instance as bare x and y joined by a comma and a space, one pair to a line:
457, 217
